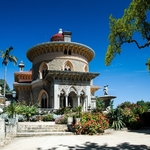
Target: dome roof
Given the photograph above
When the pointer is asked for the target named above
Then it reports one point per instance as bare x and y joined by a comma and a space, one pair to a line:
57, 37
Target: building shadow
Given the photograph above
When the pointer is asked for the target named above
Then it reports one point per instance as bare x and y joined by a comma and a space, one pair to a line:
95, 146
145, 131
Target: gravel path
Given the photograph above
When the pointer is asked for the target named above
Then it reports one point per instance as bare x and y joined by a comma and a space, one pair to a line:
116, 140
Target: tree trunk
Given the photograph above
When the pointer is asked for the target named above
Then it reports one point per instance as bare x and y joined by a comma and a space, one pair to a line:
5, 72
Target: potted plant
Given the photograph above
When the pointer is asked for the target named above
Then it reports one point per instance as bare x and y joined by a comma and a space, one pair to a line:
78, 110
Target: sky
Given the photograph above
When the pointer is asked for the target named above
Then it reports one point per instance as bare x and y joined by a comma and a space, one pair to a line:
24, 24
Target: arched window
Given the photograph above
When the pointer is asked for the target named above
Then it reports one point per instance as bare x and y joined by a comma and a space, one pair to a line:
69, 52
86, 68
44, 101
42, 70
65, 52
68, 66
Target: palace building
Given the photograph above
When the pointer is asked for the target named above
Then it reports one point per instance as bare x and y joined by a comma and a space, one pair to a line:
59, 76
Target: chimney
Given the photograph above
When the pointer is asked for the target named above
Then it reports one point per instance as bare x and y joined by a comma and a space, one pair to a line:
67, 36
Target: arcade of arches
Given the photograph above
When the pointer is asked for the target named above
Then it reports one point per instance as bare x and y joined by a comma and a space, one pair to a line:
71, 99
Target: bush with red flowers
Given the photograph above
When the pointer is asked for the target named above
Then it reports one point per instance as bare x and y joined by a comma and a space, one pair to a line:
91, 123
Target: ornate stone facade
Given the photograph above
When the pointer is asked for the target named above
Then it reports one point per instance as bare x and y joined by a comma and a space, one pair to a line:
60, 74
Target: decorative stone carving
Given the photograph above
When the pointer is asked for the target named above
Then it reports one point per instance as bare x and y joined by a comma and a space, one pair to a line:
80, 90
72, 89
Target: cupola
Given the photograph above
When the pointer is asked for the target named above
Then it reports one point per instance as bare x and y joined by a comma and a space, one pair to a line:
57, 37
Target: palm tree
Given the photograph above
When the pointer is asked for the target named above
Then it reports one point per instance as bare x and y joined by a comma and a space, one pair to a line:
5, 55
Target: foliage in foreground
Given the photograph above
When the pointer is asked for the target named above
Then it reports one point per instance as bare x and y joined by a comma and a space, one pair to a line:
22, 109
91, 123
2, 86
27, 111
133, 113
122, 30
127, 114
61, 119
99, 106
11, 110
115, 119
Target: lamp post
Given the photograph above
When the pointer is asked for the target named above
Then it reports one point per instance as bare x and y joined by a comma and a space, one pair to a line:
14, 96
89, 108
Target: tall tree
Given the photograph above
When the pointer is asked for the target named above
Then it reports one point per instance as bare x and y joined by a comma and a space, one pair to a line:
5, 55
122, 30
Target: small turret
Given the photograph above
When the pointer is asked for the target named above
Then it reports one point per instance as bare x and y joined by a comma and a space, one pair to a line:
21, 66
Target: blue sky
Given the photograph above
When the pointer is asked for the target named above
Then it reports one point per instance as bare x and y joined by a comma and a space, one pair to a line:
30, 22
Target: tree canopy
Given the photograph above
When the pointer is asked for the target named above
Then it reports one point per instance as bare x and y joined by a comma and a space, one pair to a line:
5, 55
2, 85
122, 30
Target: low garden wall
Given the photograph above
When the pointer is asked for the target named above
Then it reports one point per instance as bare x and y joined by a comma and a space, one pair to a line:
7, 131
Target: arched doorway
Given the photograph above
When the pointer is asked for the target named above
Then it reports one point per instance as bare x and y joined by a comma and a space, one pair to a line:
72, 99
69, 100
43, 99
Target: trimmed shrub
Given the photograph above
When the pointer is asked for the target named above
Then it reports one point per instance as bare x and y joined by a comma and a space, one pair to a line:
48, 117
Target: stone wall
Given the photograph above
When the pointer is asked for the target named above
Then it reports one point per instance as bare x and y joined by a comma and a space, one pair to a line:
35, 93
11, 130
35, 71
7, 131
2, 129
24, 95
58, 64
37, 89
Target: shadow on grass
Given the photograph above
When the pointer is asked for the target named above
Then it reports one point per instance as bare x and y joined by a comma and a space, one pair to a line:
95, 146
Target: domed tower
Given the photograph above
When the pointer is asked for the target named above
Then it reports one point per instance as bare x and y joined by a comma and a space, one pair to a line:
57, 37
60, 73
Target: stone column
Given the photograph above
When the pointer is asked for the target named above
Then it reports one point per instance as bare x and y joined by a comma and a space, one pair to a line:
66, 96
61, 102
11, 128
85, 103
78, 100
56, 92
58, 103
2, 128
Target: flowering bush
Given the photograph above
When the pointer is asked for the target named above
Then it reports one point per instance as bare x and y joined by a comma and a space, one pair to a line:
91, 123
132, 117
61, 120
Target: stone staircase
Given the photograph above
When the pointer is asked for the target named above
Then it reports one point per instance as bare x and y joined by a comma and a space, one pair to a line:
28, 129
